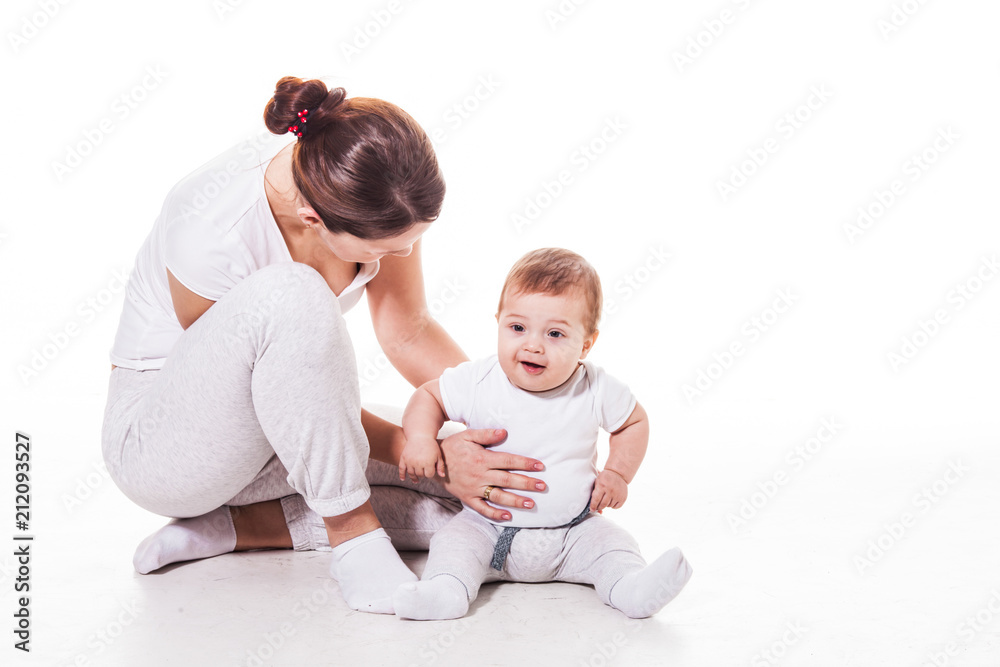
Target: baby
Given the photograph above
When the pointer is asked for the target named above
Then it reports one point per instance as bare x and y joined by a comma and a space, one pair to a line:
551, 403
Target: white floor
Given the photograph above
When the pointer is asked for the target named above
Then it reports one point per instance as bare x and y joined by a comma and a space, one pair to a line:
786, 582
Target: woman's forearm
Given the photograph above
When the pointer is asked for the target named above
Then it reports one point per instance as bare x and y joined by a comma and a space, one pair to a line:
421, 353
385, 439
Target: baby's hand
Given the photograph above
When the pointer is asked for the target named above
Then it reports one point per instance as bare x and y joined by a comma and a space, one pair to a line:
610, 490
421, 458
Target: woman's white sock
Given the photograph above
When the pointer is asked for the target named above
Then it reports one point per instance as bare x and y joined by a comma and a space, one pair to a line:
644, 592
202, 536
369, 570
436, 599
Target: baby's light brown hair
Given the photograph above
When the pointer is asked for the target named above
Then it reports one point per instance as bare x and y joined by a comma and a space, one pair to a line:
556, 271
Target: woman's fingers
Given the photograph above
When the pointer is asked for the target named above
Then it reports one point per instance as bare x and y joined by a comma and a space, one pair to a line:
471, 467
506, 461
503, 497
510, 480
483, 436
484, 508
501, 460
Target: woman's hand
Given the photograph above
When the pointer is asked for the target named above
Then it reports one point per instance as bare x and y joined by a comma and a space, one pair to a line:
472, 467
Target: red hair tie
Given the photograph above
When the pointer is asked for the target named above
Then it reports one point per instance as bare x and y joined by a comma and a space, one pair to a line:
299, 129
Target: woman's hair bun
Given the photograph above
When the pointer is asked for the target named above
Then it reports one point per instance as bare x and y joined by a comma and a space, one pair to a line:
292, 95
364, 165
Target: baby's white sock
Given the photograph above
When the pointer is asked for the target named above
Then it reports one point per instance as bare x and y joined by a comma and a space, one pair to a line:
368, 570
436, 599
644, 592
202, 536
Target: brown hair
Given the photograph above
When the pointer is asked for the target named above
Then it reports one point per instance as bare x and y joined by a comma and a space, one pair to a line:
364, 165
556, 271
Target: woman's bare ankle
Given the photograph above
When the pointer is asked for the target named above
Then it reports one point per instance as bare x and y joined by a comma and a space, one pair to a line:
353, 524
261, 526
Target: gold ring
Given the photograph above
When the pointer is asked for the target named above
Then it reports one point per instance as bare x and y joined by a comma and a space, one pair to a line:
488, 491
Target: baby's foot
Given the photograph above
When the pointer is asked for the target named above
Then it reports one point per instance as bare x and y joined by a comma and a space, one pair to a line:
644, 592
202, 536
436, 599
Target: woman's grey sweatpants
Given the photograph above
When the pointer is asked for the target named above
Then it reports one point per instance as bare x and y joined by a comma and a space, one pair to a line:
257, 401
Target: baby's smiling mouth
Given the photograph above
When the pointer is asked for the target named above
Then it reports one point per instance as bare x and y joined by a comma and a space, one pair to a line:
532, 368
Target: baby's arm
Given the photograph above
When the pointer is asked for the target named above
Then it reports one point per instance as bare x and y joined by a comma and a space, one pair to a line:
628, 447
423, 418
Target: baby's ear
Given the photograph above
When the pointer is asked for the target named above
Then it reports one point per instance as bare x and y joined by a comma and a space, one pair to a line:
588, 342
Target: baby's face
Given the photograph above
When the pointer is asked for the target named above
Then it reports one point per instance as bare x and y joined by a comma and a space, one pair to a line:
542, 337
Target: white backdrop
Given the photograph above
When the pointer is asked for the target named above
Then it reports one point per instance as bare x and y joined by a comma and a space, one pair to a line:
792, 206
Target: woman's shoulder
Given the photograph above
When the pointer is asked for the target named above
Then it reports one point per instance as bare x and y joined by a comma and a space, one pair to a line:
226, 187
216, 225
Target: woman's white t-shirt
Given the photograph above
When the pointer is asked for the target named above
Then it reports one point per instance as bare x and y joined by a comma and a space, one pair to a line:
215, 229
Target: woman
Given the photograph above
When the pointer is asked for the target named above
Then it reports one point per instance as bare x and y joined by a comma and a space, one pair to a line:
234, 404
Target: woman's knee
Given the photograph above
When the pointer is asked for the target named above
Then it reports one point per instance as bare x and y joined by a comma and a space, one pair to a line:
294, 294
288, 281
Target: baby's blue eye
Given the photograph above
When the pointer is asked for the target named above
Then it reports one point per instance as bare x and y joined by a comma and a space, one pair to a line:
517, 327
556, 334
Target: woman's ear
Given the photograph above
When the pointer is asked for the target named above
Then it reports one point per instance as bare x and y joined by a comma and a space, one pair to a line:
308, 216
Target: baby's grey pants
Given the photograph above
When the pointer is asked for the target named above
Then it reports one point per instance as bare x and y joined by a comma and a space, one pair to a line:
595, 551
